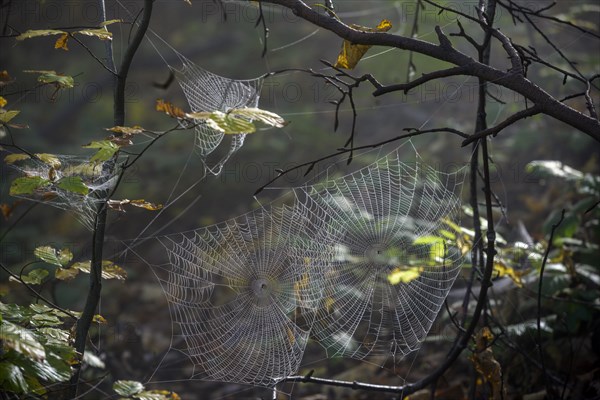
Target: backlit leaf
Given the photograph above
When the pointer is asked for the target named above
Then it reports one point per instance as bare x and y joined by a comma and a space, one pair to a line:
126, 130
100, 33
52, 77
351, 53
48, 254
61, 42
12, 158
12, 379
3, 102
33, 33
146, 205
256, 114
404, 275
127, 388
73, 184
35, 277
109, 269
27, 185
49, 159
6, 116
21, 340
110, 22
66, 274
107, 149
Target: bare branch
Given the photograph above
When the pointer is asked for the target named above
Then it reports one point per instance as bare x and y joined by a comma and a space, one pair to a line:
493, 131
516, 82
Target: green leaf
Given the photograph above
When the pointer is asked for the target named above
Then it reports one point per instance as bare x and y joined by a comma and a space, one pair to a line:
48, 254
73, 184
92, 360
12, 158
107, 149
256, 114
6, 116
35, 277
431, 240
12, 379
27, 185
21, 340
62, 81
33, 33
127, 388
109, 269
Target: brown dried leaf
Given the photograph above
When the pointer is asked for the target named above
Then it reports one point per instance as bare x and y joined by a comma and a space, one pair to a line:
169, 109
61, 42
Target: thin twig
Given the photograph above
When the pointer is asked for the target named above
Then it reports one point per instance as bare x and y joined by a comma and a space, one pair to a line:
539, 299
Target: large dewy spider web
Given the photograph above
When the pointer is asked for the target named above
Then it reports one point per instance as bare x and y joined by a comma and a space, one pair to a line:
392, 270
242, 294
356, 263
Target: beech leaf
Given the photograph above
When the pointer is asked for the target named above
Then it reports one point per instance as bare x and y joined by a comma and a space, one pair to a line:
73, 184
169, 109
33, 33
351, 53
27, 185
106, 149
12, 158
61, 42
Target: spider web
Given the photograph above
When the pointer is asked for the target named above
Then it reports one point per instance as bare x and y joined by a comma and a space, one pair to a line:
243, 294
247, 294
392, 270
206, 91
94, 176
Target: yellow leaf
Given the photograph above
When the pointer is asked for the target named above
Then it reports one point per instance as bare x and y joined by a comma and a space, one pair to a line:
12, 158
66, 274
291, 337
502, 270
61, 42
99, 319
100, 33
404, 275
49, 159
126, 130
352, 53
3, 102
32, 33
6, 116
110, 22
144, 204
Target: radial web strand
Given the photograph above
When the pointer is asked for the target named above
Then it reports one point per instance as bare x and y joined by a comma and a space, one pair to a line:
243, 293
70, 183
209, 92
392, 271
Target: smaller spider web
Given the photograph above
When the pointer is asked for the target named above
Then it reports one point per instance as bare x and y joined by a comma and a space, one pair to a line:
206, 91
242, 294
392, 271
64, 175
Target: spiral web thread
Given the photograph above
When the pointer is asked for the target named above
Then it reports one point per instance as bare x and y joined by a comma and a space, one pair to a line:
243, 294
247, 294
209, 92
392, 270
95, 176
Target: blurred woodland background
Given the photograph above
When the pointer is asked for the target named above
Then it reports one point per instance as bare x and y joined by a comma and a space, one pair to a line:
223, 38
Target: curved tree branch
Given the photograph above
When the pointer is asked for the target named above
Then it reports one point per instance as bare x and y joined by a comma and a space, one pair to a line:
515, 82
